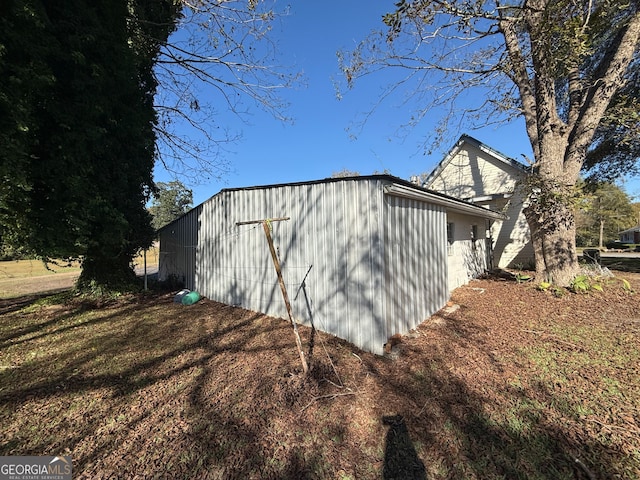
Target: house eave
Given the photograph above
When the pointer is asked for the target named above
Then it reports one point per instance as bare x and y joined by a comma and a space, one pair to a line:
450, 204
635, 229
489, 198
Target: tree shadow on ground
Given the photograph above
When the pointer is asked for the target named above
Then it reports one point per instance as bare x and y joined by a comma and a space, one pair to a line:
197, 392
8, 305
479, 438
154, 385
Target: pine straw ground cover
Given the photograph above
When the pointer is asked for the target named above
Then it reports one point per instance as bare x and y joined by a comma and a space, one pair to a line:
515, 384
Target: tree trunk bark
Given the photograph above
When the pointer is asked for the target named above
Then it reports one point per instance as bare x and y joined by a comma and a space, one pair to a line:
102, 274
560, 256
553, 235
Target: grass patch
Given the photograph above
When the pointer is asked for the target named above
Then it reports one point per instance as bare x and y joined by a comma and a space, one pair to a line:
15, 269
589, 374
23, 269
31, 277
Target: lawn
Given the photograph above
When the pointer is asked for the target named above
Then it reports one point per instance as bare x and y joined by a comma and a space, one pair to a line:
24, 277
515, 384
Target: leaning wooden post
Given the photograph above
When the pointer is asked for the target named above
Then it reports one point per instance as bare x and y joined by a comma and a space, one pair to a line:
266, 225
267, 231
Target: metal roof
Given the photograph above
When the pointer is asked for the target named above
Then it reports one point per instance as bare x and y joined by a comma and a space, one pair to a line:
399, 187
631, 230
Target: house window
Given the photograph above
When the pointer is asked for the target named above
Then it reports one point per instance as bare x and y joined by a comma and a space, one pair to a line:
450, 238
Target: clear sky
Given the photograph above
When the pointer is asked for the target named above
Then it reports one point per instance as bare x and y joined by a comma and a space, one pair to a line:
318, 142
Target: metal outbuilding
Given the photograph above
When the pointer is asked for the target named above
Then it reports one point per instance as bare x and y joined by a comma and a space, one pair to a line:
362, 258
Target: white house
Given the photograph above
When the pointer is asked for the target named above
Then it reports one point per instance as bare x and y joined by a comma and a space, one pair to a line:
632, 235
476, 173
362, 258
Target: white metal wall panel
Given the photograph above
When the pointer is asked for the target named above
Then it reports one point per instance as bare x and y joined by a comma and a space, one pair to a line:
357, 262
332, 242
415, 262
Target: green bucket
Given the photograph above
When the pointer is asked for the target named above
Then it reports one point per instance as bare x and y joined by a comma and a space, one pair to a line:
191, 298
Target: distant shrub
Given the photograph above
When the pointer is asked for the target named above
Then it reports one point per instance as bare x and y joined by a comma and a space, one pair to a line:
617, 245
8, 253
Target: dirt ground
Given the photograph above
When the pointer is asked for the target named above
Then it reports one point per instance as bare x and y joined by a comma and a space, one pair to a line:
510, 382
10, 287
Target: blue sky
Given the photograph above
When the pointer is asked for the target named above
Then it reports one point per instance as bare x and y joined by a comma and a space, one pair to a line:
318, 142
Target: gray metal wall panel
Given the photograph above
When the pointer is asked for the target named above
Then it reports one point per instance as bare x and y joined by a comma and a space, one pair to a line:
332, 242
415, 262
372, 264
178, 248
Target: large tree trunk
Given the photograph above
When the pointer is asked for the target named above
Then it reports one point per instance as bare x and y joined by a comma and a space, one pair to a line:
103, 274
561, 133
553, 235
556, 258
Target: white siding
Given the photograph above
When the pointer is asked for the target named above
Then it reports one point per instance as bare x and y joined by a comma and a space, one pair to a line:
511, 237
473, 173
467, 258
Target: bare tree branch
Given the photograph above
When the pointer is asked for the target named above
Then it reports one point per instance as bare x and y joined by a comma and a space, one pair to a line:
219, 63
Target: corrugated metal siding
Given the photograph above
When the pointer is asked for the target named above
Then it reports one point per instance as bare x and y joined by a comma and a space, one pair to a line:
178, 244
357, 263
415, 262
332, 242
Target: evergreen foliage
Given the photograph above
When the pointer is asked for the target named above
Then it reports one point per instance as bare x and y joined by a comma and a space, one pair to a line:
77, 128
170, 201
604, 211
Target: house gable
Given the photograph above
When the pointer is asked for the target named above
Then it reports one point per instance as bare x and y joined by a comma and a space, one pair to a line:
473, 170
477, 173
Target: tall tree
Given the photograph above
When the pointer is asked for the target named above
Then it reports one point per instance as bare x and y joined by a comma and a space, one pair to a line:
170, 201
79, 126
636, 212
558, 64
604, 211
616, 144
345, 172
